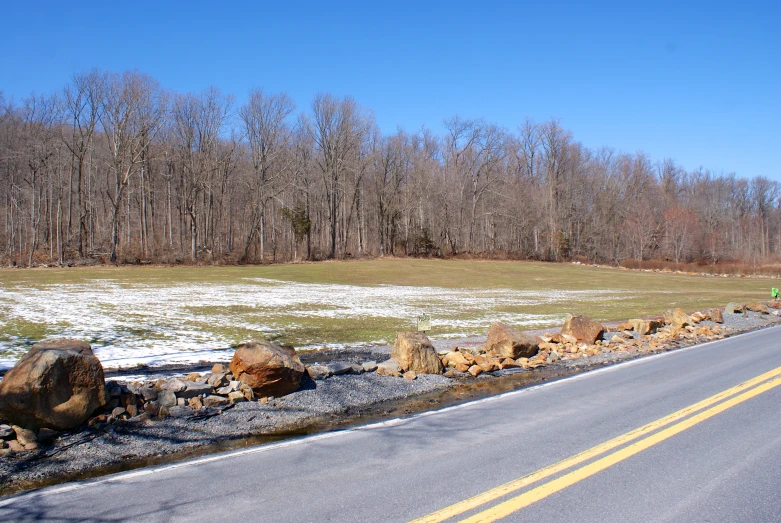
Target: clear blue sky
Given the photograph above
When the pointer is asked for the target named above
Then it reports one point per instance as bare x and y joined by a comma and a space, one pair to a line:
700, 82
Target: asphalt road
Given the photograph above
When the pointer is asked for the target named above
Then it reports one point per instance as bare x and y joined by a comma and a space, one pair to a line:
717, 461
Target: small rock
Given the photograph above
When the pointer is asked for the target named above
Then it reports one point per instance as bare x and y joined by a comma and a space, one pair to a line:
194, 389
263, 400
31, 446
337, 369
24, 436
475, 370
236, 396
217, 380
224, 390
180, 411
5, 452
450, 374
234, 384
389, 367
369, 366
132, 410
181, 402
148, 393
175, 385
249, 394
15, 446
117, 412
733, 308
356, 369
215, 401
152, 408
318, 372
410, 375
195, 403
193, 376
218, 368
166, 398
6, 431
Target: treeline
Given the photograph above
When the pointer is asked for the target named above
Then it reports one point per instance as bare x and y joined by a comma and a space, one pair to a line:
116, 168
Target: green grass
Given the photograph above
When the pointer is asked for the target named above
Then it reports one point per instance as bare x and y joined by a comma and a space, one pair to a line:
649, 294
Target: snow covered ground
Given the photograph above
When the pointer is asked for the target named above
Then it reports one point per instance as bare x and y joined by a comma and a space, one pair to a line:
154, 324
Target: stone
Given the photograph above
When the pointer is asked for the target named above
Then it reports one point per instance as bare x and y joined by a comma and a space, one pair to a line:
193, 376
450, 373
554, 356
369, 366
758, 307
166, 398
356, 369
175, 385
249, 395
410, 375
775, 304
645, 327
24, 436
194, 389
475, 370
148, 393
677, 318
716, 315
180, 411
117, 412
507, 342
236, 396
224, 390
56, 384
215, 401
195, 403
15, 446
390, 367
218, 368
583, 329
454, 358
6, 431
152, 408
462, 367
269, 369
338, 369
733, 308
217, 380
234, 384
181, 402
414, 351
318, 372
132, 410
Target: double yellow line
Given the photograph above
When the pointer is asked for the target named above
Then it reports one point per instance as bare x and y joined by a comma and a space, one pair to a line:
741, 393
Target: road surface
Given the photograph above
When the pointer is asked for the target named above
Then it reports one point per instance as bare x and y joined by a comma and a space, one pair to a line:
691, 435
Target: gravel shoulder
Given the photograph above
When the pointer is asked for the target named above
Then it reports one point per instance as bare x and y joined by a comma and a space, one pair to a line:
337, 402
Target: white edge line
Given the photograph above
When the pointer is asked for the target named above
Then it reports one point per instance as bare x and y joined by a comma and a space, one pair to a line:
122, 476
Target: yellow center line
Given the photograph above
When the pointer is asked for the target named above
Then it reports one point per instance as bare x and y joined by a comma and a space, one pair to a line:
536, 494
512, 486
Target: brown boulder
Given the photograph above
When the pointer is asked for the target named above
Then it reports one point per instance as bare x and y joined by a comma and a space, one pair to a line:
644, 327
270, 370
56, 384
677, 318
775, 304
414, 351
716, 315
507, 342
758, 307
582, 329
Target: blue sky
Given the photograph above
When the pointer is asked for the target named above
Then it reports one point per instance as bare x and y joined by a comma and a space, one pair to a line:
700, 82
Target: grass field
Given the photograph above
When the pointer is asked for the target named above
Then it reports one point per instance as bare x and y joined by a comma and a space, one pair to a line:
155, 315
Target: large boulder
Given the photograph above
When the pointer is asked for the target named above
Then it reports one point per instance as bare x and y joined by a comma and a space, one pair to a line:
414, 351
507, 342
677, 318
644, 327
758, 307
716, 315
56, 384
270, 370
582, 329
